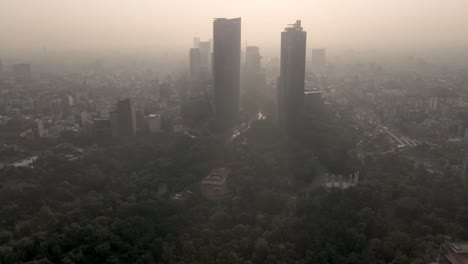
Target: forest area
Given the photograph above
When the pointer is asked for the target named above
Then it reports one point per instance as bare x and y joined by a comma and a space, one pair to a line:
108, 207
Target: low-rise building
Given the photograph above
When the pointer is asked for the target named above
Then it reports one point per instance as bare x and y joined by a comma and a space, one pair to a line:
453, 253
215, 184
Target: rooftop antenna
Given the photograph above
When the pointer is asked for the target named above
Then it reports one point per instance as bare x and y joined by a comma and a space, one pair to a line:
295, 26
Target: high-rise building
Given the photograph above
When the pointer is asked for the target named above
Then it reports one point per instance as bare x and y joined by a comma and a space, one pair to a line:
195, 64
319, 59
22, 72
292, 76
196, 42
205, 59
253, 80
226, 70
123, 120
252, 58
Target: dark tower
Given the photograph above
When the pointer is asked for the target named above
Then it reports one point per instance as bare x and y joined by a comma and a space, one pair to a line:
226, 70
123, 120
205, 59
292, 76
195, 64
253, 80
252, 59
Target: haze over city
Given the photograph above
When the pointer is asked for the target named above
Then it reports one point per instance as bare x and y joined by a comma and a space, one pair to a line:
105, 25
243, 132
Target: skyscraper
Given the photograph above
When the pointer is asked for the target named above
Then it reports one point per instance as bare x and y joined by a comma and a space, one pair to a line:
123, 120
195, 63
319, 59
292, 76
226, 70
252, 58
253, 80
205, 59
196, 42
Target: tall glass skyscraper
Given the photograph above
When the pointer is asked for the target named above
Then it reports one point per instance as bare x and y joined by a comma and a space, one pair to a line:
292, 76
226, 71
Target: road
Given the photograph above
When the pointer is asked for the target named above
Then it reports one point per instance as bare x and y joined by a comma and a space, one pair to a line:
396, 135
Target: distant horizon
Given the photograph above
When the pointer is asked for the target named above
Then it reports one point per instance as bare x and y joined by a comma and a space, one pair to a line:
106, 25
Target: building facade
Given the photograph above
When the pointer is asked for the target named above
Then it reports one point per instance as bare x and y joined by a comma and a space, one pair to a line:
195, 64
123, 120
215, 184
226, 71
292, 76
205, 59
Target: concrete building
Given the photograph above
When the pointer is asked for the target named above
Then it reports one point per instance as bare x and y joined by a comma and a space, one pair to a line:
195, 65
123, 120
292, 76
39, 128
215, 184
226, 71
453, 253
154, 123
196, 42
339, 181
319, 59
253, 80
205, 59
102, 127
252, 59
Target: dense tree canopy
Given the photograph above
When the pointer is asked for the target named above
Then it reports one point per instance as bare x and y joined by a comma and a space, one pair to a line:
108, 207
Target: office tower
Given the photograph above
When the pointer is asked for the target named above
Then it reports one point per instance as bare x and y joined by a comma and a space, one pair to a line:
103, 128
205, 59
292, 76
39, 128
253, 80
319, 59
22, 72
195, 64
140, 122
123, 121
252, 59
226, 71
196, 42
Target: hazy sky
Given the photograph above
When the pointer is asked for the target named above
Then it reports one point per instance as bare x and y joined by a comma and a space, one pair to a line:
169, 24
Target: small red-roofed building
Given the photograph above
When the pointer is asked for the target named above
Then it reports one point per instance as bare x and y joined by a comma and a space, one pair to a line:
454, 253
215, 184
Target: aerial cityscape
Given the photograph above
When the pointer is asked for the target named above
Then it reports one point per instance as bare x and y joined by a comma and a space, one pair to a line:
228, 151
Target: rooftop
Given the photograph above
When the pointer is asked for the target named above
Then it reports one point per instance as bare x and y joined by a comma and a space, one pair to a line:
459, 248
216, 177
456, 253
294, 27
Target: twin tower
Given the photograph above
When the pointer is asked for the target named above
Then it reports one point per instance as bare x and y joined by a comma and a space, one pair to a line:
226, 73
